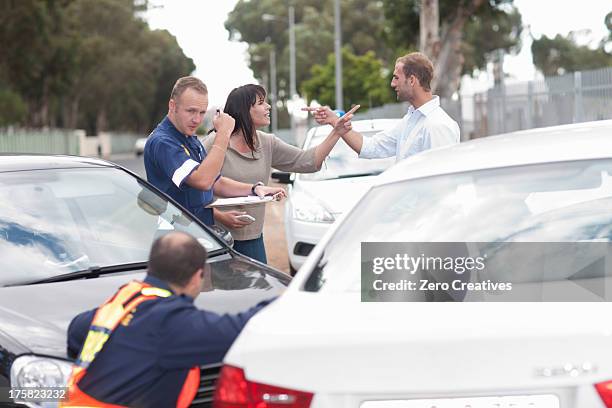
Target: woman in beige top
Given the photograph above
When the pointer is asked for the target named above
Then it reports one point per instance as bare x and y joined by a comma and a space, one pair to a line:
250, 156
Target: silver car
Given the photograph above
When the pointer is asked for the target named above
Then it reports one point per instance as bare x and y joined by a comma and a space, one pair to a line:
316, 200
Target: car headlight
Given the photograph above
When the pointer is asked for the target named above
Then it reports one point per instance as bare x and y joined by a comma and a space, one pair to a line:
39, 372
308, 209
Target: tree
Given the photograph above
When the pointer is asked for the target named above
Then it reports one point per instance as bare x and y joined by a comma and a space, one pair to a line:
92, 64
608, 23
167, 61
470, 31
429, 27
110, 68
364, 81
12, 107
555, 56
36, 47
362, 28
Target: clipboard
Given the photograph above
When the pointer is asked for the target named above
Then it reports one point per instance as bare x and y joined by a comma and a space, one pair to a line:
242, 201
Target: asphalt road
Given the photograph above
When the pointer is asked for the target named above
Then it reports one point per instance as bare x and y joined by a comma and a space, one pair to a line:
274, 231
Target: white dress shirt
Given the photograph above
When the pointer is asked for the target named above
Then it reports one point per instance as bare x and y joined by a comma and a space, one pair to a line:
420, 129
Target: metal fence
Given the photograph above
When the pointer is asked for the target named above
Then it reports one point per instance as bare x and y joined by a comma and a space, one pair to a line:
570, 98
398, 110
52, 141
65, 141
122, 142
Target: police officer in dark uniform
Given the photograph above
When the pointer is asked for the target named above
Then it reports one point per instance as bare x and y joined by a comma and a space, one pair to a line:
148, 354
177, 163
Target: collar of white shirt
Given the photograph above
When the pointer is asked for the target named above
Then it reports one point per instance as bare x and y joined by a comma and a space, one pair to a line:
430, 106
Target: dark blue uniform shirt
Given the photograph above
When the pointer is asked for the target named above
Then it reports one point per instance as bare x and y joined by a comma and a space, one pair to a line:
145, 363
169, 158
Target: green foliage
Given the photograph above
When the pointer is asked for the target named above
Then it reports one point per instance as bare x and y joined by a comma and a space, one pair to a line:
12, 108
36, 45
364, 81
362, 31
489, 30
555, 56
91, 64
389, 28
496, 24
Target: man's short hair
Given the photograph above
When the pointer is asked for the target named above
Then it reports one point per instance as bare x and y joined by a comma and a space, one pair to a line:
420, 66
184, 83
175, 258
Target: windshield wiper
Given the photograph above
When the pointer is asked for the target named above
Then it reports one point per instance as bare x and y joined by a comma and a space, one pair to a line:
91, 272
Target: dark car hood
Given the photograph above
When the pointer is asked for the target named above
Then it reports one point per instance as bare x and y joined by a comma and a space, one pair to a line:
34, 318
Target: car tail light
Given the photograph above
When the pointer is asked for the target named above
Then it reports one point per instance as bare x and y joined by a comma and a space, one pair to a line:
233, 390
605, 392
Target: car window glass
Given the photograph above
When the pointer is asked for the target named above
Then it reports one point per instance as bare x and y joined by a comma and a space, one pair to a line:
559, 202
58, 221
344, 162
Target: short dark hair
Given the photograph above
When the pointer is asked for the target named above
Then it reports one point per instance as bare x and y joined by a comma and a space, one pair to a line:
184, 83
238, 106
175, 258
420, 66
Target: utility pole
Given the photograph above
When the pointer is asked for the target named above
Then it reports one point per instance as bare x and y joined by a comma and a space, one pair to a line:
338, 51
292, 90
292, 86
273, 89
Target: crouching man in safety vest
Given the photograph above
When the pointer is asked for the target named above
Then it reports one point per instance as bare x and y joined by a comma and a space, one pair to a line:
144, 346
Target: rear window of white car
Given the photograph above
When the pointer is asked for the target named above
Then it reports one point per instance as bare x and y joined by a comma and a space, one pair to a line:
556, 202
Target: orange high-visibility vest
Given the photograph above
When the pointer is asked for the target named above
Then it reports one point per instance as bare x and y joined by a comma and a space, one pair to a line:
106, 319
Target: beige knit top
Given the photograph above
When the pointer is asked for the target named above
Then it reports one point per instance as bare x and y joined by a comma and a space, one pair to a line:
270, 151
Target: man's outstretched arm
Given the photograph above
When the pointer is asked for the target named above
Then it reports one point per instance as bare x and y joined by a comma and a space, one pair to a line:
325, 116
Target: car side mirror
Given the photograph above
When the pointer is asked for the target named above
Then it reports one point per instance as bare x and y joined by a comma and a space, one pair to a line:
283, 177
224, 234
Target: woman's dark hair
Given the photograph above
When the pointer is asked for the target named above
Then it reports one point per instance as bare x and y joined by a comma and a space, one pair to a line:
238, 106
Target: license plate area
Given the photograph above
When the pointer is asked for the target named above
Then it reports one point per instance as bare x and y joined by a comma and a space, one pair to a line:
510, 401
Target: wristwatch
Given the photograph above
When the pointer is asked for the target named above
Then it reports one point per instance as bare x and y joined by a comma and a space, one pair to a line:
259, 183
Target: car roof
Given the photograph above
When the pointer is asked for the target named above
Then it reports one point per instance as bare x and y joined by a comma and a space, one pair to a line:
20, 162
580, 141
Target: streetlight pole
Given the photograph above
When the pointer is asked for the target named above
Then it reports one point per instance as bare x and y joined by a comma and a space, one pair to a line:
292, 90
292, 76
338, 51
273, 90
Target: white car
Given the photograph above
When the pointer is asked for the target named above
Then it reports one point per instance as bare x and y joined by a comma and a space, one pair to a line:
139, 145
320, 346
316, 200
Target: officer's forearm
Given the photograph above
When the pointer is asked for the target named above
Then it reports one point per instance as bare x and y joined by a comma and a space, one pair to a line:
204, 176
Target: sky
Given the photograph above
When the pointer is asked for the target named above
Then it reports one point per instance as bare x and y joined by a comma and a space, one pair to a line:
222, 64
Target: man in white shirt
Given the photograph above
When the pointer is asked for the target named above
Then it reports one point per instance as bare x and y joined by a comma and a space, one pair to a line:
425, 126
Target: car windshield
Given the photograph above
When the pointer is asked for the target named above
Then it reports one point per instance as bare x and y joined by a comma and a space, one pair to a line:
343, 162
59, 221
557, 202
